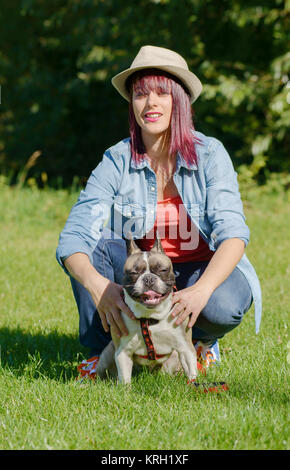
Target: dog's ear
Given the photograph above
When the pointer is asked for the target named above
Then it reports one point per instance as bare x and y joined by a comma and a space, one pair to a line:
157, 247
131, 245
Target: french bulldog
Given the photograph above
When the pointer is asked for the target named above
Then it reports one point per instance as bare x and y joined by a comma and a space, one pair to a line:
154, 340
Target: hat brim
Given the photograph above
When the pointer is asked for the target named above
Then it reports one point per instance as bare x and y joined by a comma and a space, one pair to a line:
191, 82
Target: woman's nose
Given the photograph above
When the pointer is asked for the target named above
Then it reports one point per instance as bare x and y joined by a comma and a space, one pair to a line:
151, 98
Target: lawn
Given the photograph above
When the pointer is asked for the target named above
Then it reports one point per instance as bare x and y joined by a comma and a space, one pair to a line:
42, 406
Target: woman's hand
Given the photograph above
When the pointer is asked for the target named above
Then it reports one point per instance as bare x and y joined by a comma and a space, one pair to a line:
190, 301
108, 298
107, 295
193, 299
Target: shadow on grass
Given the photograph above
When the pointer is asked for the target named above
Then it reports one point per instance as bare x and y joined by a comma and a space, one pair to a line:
55, 356
35, 355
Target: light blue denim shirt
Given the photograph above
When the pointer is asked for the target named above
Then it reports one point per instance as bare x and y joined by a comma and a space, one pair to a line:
122, 196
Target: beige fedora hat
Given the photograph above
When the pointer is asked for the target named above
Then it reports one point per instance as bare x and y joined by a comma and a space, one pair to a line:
163, 59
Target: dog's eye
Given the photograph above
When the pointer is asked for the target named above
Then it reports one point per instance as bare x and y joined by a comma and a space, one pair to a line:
133, 273
163, 270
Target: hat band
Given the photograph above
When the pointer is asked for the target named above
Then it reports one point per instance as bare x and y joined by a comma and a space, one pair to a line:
153, 71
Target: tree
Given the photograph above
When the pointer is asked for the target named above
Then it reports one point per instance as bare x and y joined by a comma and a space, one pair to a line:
57, 59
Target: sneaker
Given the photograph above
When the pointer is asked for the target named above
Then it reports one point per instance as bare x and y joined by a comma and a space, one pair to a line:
87, 368
208, 354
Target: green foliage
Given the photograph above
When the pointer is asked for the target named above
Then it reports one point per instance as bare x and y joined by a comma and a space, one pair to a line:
57, 59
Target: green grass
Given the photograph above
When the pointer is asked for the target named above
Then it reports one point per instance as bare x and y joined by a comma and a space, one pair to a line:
43, 407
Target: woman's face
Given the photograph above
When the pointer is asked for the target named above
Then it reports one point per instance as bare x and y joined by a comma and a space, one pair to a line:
152, 111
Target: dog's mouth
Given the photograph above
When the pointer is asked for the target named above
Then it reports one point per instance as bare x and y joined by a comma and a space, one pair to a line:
152, 298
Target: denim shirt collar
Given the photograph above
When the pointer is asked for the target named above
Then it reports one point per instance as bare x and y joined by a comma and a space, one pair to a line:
180, 162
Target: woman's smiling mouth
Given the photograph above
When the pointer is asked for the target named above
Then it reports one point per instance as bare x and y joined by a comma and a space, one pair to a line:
152, 117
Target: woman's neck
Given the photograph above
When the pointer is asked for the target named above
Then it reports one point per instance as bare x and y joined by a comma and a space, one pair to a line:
157, 151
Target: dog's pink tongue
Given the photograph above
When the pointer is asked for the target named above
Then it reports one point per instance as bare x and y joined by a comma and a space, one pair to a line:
151, 295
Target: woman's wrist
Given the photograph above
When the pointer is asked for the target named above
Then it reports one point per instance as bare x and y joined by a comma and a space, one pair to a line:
81, 269
95, 282
203, 285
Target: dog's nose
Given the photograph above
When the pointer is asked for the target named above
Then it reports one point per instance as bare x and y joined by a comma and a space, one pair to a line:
148, 280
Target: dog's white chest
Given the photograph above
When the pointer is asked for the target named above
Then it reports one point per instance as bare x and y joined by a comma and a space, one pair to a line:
149, 341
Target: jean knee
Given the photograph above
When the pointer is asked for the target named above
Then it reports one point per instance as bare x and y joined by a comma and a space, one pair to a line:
227, 305
222, 313
109, 256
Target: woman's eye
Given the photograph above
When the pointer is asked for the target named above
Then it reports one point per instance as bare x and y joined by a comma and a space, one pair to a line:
139, 94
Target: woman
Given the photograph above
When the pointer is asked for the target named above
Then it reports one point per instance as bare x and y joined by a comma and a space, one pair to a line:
169, 177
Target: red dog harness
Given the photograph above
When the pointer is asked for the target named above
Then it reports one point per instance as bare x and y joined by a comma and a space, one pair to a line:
152, 355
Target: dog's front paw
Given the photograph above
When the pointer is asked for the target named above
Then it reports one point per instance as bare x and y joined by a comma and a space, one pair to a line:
126, 383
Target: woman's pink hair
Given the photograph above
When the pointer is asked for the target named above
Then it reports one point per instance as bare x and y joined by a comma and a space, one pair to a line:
181, 138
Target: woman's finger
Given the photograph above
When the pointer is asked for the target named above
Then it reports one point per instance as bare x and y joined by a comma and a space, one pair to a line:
124, 308
114, 325
182, 317
104, 321
177, 309
118, 321
192, 320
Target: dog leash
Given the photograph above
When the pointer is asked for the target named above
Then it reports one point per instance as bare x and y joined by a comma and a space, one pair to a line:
209, 387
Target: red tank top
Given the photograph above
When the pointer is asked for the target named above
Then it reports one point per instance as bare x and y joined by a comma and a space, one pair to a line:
179, 236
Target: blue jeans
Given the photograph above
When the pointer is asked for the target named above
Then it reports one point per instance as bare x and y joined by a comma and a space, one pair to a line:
223, 312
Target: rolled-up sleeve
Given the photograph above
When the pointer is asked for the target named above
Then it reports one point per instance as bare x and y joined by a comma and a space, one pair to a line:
224, 205
88, 216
